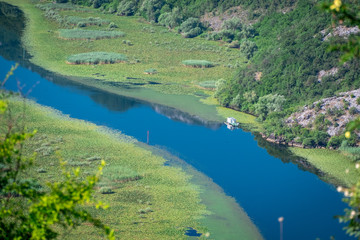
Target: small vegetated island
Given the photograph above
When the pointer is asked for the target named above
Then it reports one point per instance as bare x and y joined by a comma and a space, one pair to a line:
96, 58
198, 63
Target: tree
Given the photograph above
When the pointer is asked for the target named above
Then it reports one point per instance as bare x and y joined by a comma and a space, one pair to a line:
150, 9
190, 28
171, 19
27, 211
269, 103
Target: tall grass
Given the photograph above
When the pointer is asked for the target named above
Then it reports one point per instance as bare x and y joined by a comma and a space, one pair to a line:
61, 7
198, 63
208, 84
133, 178
96, 58
81, 34
75, 20
120, 174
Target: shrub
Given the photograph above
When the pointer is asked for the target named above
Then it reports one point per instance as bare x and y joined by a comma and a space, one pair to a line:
248, 48
150, 9
358, 100
113, 25
198, 63
190, 28
74, 34
172, 19
234, 44
335, 141
150, 71
74, 20
96, 58
353, 111
106, 190
127, 8
308, 142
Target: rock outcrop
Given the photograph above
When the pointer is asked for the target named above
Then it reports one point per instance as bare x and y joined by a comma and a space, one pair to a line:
339, 110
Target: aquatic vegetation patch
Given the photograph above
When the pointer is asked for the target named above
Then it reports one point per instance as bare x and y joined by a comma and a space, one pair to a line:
83, 22
61, 7
96, 58
198, 63
81, 34
208, 84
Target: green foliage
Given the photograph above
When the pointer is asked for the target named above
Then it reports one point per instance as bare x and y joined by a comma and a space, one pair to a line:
208, 84
74, 20
112, 25
171, 19
88, 34
198, 63
335, 141
191, 27
269, 103
353, 111
248, 48
150, 9
26, 210
127, 7
358, 100
96, 58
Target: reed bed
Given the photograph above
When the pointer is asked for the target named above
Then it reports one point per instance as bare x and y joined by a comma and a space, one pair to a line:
81, 34
96, 58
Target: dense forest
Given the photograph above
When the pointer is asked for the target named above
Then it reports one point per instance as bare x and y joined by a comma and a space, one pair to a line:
286, 43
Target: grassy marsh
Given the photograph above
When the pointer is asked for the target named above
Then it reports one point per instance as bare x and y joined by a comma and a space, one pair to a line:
332, 162
82, 34
147, 200
153, 46
96, 58
136, 178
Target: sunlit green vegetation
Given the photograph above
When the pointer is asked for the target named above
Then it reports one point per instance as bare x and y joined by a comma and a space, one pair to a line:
198, 63
208, 84
151, 47
331, 162
81, 34
96, 58
141, 192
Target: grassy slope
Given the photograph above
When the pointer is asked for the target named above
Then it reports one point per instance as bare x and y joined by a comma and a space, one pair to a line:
167, 191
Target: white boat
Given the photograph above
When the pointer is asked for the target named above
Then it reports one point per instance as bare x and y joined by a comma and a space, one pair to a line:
230, 121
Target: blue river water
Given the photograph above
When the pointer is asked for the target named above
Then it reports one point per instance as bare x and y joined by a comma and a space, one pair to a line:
265, 186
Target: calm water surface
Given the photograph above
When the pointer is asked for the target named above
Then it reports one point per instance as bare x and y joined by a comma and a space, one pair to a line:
265, 186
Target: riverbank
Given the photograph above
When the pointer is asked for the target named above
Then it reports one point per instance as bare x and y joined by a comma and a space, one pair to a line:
155, 48
151, 201
177, 85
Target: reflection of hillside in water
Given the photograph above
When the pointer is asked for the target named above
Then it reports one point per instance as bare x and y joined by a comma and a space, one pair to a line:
286, 156
12, 24
179, 116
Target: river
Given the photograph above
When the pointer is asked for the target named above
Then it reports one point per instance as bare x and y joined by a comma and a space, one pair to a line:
265, 186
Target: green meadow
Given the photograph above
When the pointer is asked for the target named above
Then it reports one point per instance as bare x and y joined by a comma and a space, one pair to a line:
340, 168
150, 47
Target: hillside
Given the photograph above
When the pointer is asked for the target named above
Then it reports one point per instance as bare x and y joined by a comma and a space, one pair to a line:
285, 43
